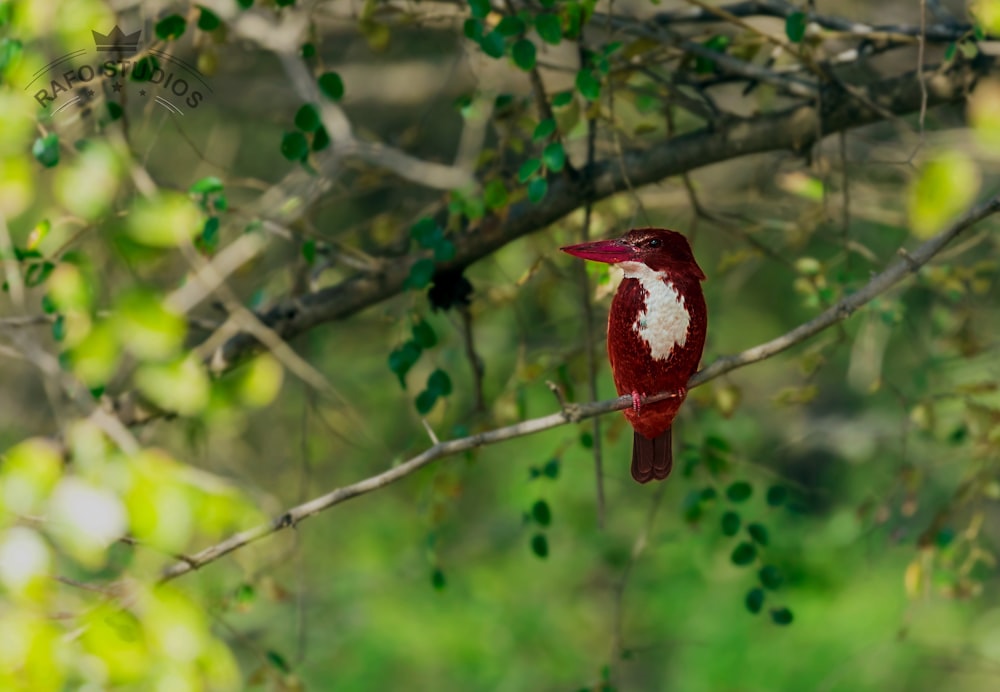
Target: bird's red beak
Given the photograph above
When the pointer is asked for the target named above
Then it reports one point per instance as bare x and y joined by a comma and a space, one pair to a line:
607, 251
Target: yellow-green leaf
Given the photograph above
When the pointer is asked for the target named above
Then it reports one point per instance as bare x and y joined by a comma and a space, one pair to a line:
146, 327
181, 386
944, 188
165, 220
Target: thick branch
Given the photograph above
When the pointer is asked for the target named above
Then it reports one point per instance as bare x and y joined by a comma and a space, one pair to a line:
574, 413
792, 129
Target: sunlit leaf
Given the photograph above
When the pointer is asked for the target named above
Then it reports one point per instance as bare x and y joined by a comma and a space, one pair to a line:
179, 387
164, 220
945, 187
146, 327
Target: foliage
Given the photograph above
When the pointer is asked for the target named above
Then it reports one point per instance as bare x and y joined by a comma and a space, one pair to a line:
226, 240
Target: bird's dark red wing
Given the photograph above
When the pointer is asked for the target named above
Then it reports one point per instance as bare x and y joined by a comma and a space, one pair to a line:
652, 458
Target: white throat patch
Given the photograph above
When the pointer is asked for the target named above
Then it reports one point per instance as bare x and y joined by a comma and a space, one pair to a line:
664, 323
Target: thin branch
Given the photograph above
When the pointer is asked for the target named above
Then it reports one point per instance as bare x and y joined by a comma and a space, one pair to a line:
574, 413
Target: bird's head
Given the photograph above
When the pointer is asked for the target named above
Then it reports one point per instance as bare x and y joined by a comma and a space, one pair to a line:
657, 248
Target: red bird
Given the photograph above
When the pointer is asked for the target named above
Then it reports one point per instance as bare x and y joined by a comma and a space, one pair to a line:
656, 333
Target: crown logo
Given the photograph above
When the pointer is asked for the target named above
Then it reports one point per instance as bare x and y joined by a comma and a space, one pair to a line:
117, 41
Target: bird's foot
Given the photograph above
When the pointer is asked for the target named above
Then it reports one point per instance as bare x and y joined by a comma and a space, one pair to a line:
636, 402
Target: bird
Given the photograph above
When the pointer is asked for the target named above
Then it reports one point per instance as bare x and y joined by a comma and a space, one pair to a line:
656, 334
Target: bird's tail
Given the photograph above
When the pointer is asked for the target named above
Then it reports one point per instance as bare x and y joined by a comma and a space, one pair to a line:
652, 458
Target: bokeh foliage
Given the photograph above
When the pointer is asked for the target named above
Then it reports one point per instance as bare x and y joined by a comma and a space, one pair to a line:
831, 521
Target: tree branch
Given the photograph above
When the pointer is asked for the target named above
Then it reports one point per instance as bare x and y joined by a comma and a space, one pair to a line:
791, 129
574, 413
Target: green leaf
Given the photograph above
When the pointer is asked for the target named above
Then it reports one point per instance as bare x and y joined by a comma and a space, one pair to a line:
554, 156
171, 27
144, 69
758, 532
307, 118
776, 495
551, 468
537, 190
59, 328
245, 594
795, 26
949, 52
321, 140
717, 44
495, 195
423, 334
944, 537
439, 383
245, 4
587, 440
945, 187
523, 54
770, 577
739, 491
549, 28
755, 599
209, 238
528, 169
563, 98
309, 251
115, 111
437, 579
540, 545
38, 273
208, 20
294, 146
541, 513
308, 50
743, 554
420, 274
444, 251
510, 26
544, 129
427, 232
10, 51
479, 8
473, 29
278, 661
403, 358
781, 616
206, 186
331, 85
588, 85
425, 401
731, 523
46, 150
493, 44
708, 493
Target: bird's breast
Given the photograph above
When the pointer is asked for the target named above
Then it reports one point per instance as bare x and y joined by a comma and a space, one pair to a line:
661, 319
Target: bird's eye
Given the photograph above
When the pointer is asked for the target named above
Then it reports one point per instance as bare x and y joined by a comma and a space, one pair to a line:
655, 242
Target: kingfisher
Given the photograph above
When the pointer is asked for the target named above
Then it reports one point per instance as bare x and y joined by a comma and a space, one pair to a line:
656, 334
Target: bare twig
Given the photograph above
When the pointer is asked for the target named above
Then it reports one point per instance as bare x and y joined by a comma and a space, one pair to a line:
575, 413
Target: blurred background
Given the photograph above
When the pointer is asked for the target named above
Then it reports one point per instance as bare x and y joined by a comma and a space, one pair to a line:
831, 520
